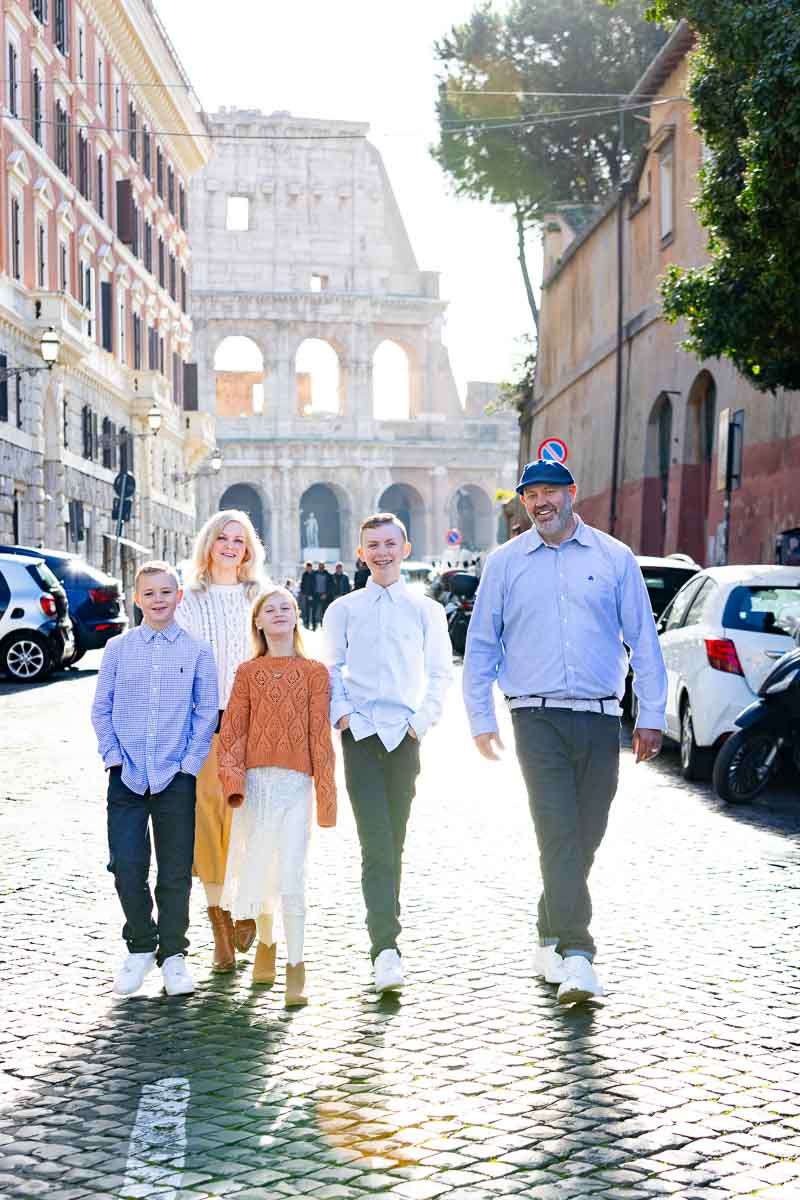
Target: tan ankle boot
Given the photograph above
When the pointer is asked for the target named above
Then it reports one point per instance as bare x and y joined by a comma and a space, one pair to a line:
296, 985
244, 934
224, 952
264, 965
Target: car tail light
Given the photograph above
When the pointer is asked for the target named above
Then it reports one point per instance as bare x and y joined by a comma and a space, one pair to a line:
102, 595
49, 607
722, 656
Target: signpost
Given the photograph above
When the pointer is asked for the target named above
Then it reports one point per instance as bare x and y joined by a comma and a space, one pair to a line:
124, 490
552, 449
453, 537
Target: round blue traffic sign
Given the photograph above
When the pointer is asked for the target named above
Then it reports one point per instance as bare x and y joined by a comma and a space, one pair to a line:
453, 537
552, 449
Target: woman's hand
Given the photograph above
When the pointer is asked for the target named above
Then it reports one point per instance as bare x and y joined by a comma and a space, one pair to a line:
236, 800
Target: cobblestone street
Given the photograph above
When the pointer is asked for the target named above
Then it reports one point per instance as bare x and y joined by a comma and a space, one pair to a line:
473, 1084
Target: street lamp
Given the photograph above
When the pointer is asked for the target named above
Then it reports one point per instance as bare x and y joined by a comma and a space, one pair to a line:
49, 348
213, 465
107, 441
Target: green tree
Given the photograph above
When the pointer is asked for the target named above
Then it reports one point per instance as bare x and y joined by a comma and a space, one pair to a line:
744, 304
498, 144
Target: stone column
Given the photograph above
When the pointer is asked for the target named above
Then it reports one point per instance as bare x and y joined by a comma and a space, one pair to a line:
290, 522
438, 517
280, 385
54, 469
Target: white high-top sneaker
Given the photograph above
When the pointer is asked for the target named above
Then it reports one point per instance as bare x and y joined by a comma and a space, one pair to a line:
549, 964
177, 980
580, 983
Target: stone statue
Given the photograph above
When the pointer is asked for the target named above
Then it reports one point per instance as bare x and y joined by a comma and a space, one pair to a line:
311, 529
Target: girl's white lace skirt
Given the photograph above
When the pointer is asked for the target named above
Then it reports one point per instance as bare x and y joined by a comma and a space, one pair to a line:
270, 834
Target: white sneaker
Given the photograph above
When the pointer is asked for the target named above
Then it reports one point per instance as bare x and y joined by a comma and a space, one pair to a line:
131, 975
388, 971
177, 980
580, 982
549, 964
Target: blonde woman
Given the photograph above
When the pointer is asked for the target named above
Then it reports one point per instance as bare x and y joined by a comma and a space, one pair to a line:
228, 572
275, 739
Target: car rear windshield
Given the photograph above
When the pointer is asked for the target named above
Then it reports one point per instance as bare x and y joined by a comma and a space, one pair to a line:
44, 577
762, 609
662, 585
68, 569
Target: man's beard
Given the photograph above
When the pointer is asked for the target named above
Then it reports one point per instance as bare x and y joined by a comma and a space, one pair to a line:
558, 523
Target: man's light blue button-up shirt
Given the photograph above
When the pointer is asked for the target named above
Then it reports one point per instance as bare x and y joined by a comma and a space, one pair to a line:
551, 621
155, 707
390, 661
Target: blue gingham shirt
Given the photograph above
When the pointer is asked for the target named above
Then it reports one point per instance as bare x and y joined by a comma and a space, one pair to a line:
155, 707
551, 621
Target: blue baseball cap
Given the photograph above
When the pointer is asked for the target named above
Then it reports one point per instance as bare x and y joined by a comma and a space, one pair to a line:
545, 471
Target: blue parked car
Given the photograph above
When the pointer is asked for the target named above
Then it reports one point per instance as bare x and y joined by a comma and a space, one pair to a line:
96, 600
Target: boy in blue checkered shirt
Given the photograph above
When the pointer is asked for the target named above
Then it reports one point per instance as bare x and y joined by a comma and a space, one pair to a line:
155, 711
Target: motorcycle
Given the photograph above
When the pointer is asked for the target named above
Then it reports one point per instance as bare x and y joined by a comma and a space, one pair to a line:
458, 611
767, 738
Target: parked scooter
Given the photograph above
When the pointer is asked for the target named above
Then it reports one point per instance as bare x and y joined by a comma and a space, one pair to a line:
458, 601
767, 738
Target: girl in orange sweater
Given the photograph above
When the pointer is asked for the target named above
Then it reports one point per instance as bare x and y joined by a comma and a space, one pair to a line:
274, 740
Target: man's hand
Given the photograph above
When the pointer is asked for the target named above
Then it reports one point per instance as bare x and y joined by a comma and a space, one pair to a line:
343, 723
488, 744
236, 800
646, 744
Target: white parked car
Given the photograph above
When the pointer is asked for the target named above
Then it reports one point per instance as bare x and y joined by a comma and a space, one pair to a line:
720, 637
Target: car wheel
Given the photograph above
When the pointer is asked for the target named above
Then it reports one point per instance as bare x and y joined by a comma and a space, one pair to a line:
25, 658
744, 765
695, 762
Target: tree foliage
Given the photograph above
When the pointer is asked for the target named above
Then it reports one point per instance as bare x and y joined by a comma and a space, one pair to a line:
519, 150
744, 304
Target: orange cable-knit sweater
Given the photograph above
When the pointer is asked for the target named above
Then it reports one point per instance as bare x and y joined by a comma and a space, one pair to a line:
278, 715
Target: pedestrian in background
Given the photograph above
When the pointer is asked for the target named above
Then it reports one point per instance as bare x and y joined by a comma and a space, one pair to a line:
341, 581
154, 712
323, 593
391, 664
553, 609
360, 575
307, 595
227, 573
275, 739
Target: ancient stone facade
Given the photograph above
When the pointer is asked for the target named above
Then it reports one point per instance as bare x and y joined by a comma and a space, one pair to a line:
96, 157
672, 406
298, 240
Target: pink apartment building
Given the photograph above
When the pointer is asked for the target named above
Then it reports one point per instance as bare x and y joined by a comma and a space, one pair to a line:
99, 136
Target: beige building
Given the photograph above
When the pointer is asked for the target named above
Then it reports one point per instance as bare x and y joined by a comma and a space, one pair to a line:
345, 400
96, 160
655, 485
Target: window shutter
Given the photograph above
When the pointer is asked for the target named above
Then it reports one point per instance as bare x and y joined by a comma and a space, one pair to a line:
125, 211
190, 386
3, 390
107, 316
95, 438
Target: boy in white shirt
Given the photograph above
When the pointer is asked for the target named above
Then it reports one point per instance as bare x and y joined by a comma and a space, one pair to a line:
391, 664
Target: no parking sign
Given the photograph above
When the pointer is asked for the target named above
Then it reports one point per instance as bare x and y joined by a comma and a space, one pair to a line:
552, 449
453, 537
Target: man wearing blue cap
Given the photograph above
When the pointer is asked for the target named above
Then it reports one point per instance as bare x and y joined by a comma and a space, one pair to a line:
553, 613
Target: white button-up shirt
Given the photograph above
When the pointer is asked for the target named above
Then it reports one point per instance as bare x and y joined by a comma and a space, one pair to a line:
390, 661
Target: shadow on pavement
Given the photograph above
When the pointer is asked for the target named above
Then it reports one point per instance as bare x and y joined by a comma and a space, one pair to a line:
8, 688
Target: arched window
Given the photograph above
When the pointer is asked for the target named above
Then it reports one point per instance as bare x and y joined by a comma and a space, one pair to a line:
320, 523
470, 512
406, 503
391, 383
239, 373
318, 377
247, 499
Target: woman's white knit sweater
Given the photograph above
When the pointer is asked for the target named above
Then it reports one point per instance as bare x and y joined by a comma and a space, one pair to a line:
219, 615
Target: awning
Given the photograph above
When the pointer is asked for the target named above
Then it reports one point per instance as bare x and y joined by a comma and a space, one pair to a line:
112, 537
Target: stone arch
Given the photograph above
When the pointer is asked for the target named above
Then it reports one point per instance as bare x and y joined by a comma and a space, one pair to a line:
470, 512
391, 381
405, 502
331, 509
655, 491
238, 376
320, 380
248, 498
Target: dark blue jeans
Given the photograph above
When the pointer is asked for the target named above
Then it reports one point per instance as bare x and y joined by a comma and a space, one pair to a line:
129, 817
381, 786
